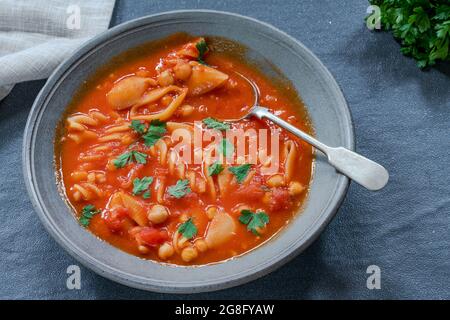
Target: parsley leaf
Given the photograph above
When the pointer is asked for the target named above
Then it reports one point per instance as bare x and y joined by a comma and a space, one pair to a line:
215, 169
154, 132
146, 194
226, 147
86, 215
188, 229
202, 48
422, 28
127, 157
139, 157
180, 189
240, 172
212, 123
254, 221
141, 185
138, 126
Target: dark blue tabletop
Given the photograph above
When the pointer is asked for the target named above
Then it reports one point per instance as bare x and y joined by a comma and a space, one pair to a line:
402, 119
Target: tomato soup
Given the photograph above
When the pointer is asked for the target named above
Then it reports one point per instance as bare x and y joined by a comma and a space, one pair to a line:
149, 163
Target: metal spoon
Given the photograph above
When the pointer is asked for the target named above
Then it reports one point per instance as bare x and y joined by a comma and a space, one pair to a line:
367, 173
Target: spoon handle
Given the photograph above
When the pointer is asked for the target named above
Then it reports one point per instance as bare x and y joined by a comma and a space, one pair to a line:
366, 172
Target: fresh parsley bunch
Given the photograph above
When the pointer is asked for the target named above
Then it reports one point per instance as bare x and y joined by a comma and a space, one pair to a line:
421, 26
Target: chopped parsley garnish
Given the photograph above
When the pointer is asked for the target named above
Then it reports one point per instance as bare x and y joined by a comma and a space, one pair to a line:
141, 186
212, 123
202, 48
180, 189
226, 147
86, 215
154, 132
129, 157
215, 169
138, 126
146, 194
188, 229
240, 172
253, 220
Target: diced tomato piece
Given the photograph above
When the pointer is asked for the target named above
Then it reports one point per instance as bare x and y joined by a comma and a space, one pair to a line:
115, 218
251, 192
152, 236
280, 199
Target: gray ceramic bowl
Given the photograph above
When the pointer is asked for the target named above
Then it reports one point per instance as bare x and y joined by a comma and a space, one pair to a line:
322, 96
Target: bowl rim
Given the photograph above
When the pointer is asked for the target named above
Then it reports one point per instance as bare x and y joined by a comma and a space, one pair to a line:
108, 271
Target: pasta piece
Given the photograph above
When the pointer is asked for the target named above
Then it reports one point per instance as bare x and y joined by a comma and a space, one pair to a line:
204, 79
86, 191
153, 96
79, 175
166, 113
115, 201
290, 151
210, 186
128, 91
135, 210
196, 182
111, 137
90, 157
160, 190
224, 180
80, 121
120, 128
220, 230
83, 136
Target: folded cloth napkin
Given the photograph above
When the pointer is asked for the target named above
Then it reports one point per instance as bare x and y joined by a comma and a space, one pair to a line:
36, 36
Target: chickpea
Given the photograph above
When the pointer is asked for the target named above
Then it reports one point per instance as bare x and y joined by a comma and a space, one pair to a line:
201, 245
100, 177
211, 212
183, 217
275, 181
165, 251
260, 230
182, 70
143, 249
186, 110
296, 188
165, 78
158, 214
91, 177
188, 254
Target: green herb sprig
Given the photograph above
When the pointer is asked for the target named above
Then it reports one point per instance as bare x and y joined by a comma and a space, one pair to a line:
180, 189
140, 186
240, 172
87, 213
202, 48
128, 157
254, 221
421, 26
188, 229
